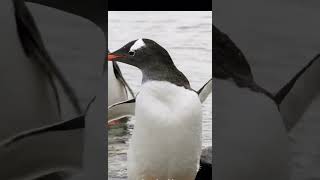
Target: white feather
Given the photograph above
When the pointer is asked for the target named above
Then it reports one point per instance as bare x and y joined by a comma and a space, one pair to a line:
137, 45
166, 141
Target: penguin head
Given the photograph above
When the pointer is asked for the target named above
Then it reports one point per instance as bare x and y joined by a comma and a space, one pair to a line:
143, 54
152, 59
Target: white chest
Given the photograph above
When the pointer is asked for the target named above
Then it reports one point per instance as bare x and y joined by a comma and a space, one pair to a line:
166, 141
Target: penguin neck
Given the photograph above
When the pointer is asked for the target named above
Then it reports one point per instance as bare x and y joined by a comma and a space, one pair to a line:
224, 84
167, 73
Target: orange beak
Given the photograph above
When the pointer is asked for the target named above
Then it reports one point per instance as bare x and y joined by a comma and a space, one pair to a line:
112, 57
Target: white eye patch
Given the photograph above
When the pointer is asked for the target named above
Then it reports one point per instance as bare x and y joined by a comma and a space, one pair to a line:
137, 45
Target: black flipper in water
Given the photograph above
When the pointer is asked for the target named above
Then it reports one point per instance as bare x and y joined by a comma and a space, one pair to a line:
293, 98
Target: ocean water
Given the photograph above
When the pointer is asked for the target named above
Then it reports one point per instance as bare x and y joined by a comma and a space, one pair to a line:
188, 39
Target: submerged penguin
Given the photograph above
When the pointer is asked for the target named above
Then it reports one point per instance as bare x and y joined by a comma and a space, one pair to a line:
165, 104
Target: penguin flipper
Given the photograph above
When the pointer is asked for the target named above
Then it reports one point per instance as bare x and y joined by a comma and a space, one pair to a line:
205, 90
76, 123
55, 152
293, 98
73, 124
121, 109
120, 77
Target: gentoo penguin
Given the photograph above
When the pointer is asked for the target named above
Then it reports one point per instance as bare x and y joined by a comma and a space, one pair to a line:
251, 140
164, 104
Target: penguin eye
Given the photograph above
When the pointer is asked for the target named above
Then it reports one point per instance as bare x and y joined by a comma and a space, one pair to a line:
132, 53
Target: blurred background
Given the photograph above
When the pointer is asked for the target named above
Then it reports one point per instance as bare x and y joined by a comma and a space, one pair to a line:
187, 36
279, 38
